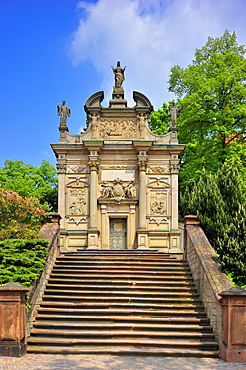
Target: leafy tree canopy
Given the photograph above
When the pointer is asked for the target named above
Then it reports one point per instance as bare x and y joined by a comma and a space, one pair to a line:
20, 217
159, 120
219, 201
29, 181
212, 93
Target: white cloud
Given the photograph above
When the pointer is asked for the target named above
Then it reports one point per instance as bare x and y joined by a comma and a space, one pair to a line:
149, 37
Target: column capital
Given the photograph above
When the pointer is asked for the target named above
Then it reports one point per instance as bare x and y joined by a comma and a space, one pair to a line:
61, 168
93, 166
174, 168
142, 165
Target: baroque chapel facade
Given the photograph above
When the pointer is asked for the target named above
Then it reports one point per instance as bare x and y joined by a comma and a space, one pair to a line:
118, 181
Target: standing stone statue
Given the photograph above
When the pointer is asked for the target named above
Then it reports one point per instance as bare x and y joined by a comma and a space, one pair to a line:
63, 111
173, 112
118, 75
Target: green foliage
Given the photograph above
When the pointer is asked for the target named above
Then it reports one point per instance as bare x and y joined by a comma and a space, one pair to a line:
20, 217
219, 201
29, 181
159, 120
212, 95
22, 261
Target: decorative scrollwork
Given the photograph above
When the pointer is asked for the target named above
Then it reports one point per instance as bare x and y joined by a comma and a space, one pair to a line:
117, 190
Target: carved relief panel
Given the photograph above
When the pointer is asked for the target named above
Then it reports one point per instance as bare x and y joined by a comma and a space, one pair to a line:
158, 203
157, 195
77, 200
117, 129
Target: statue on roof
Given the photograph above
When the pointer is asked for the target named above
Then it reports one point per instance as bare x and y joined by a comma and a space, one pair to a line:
118, 75
173, 112
63, 111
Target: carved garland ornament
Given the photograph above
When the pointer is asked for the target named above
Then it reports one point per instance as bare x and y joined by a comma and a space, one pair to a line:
158, 169
76, 169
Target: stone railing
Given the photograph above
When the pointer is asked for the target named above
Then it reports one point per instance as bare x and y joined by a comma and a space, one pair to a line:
50, 232
212, 284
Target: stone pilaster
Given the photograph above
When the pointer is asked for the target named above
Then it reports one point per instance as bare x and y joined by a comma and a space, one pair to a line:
104, 227
174, 169
132, 224
61, 169
142, 165
175, 233
93, 230
142, 232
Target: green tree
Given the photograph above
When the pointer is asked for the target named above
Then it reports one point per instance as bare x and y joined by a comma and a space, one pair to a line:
159, 120
212, 94
27, 180
219, 201
20, 217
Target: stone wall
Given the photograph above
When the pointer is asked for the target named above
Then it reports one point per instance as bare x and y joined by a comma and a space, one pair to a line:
205, 267
50, 232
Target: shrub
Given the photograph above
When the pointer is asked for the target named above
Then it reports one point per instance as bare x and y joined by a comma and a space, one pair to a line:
22, 260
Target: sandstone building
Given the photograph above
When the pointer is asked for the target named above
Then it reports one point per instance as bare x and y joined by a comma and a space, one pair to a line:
118, 181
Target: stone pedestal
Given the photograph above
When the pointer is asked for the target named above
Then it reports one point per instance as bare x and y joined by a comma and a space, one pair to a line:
13, 320
233, 346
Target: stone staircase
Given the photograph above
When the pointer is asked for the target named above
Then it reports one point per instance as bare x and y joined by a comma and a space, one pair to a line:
122, 302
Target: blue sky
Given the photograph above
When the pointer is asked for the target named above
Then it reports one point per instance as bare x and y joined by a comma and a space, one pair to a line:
54, 50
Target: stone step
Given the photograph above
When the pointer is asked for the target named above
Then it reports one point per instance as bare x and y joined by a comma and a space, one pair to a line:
79, 309
121, 273
126, 350
166, 343
163, 327
98, 252
122, 285
132, 293
164, 261
103, 303
115, 268
118, 334
106, 319
131, 301
135, 277
93, 262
